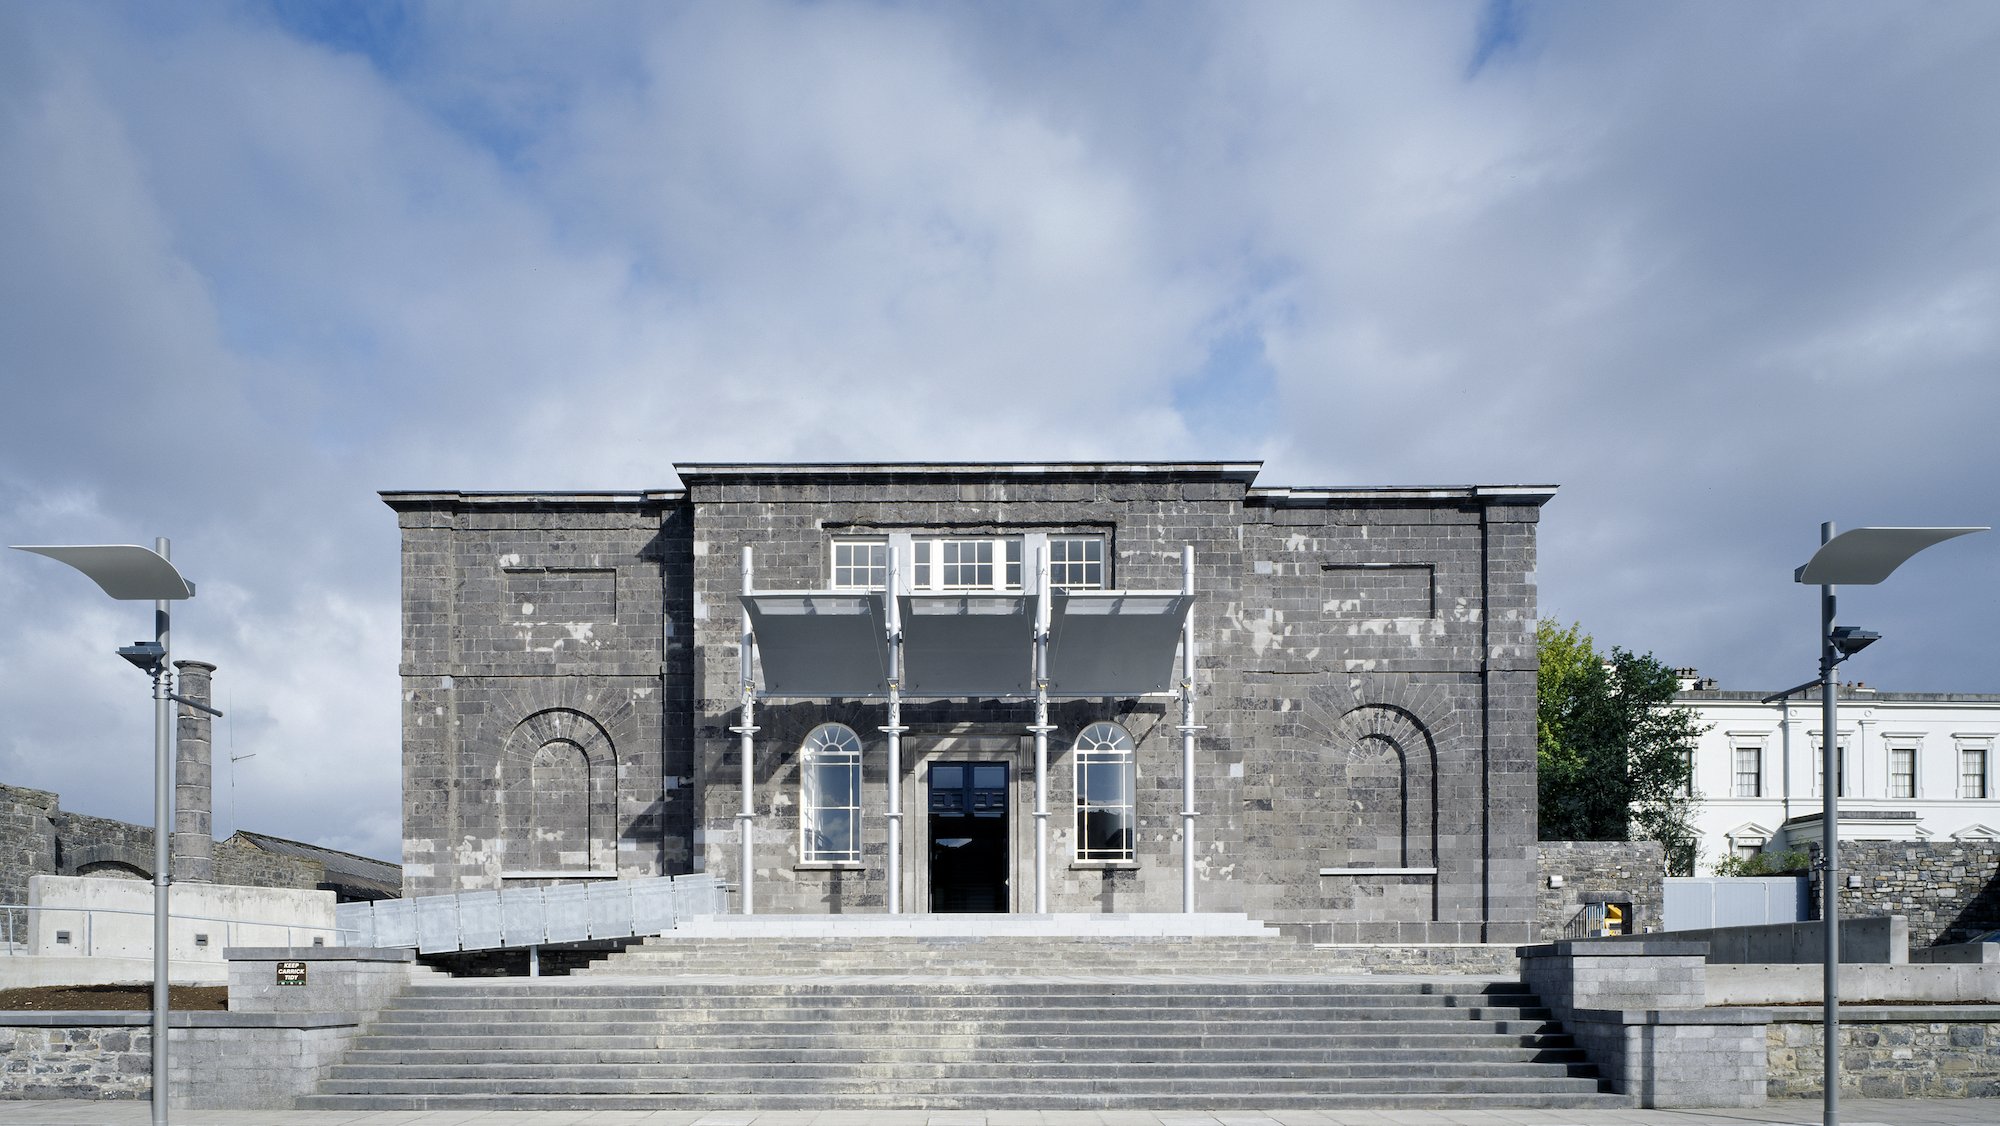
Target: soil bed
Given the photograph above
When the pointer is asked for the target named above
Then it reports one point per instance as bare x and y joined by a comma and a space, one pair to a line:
115, 998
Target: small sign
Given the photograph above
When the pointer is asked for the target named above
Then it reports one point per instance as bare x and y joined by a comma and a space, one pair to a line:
291, 973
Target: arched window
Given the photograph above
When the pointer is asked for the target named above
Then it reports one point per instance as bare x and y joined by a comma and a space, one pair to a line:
830, 795
1106, 825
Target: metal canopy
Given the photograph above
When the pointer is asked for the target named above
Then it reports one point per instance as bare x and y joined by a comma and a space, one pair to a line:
968, 645
821, 644
125, 571
1108, 643
1865, 556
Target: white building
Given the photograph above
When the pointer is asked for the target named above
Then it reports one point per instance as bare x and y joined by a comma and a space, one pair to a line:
1914, 766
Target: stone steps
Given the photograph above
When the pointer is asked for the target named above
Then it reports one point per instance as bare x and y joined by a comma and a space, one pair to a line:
882, 1039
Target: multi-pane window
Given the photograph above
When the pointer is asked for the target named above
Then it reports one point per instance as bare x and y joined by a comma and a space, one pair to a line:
1749, 771
1972, 772
1746, 848
1076, 562
860, 564
1839, 767
1106, 825
1687, 771
965, 563
1902, 772
830, 795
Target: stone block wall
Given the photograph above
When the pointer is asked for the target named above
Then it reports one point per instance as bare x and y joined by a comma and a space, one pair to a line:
1948, 890
545, 659
1890, 1053
27, 846
44, 1056
1340, 638
1631, 872
245, 865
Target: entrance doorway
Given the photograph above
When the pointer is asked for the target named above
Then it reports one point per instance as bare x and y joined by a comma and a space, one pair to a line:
968, 835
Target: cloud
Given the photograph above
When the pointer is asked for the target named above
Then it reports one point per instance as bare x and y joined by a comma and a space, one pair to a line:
1721, 272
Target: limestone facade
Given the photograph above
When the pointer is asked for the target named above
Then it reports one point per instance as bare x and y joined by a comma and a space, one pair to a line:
1365, 691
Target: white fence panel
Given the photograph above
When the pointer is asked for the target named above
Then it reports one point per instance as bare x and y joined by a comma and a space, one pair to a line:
1705, 902
523, 922
567, 911
437, 923
479, 920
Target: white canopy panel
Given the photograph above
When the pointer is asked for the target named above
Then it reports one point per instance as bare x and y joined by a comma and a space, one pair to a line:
821, 644
1108, 643
968, 645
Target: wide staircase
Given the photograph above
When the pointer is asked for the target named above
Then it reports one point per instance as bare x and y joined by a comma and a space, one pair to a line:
941, 1014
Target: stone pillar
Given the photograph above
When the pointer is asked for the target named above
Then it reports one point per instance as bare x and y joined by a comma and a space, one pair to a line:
194, 788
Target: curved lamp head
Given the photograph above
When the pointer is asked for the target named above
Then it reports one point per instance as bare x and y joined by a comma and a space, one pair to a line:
1865, 556
125, 571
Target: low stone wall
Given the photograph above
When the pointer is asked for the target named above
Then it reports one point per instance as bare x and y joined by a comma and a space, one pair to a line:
1948, 890
263, 1054
76, 1055
1889, 1052
256, 1061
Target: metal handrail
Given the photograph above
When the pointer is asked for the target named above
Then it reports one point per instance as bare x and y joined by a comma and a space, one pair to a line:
88, 948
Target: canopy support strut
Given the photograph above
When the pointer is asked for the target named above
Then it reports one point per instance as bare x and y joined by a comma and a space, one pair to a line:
1187, 728
894, 730
746, 733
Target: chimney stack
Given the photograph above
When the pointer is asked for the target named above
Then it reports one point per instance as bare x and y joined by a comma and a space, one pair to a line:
194, 787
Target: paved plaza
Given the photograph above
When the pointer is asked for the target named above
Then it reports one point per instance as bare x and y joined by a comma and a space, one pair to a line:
1790, 1112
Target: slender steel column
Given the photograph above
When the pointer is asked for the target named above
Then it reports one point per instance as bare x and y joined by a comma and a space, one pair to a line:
895, 730
1188, 727
746, 743
1829, 746
163, 822
1041, 731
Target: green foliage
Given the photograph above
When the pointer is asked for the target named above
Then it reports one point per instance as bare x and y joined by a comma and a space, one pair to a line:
1612, 753
1765, 864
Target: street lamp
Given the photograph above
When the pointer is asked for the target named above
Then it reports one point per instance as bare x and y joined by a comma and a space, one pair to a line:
1864, 556
132, 573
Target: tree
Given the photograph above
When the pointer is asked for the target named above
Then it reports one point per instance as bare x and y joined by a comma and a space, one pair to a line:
1613, 753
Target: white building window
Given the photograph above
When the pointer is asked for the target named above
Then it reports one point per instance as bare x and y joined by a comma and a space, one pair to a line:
830, 795
861, 564
1746, 848
1749, 770
1076, 562
1839, 766
1903, 770
1106, 825
948, 563
1972, 781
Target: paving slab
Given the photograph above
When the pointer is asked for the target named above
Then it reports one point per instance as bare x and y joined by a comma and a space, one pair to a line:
1791, 1112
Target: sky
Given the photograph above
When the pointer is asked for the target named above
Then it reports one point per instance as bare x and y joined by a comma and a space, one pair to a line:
1721, 272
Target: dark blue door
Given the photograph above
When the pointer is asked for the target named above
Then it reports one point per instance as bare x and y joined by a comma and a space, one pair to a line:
968, 831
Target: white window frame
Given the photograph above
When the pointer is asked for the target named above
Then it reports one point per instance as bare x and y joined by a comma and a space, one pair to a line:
858, 575
1106, 744
829, 745
1983, 776
1078, 561
1840, 767
1738, 749
1904, 749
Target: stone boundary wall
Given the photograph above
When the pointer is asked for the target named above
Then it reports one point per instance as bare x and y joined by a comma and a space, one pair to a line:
76, 1055
1890, 1052
1633, 871
246, 865
1948, 890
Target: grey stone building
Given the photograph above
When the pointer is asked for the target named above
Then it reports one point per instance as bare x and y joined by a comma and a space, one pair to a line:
1360, 710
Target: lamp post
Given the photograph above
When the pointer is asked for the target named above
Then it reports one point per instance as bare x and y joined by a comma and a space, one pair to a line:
1863, 556
132, 573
